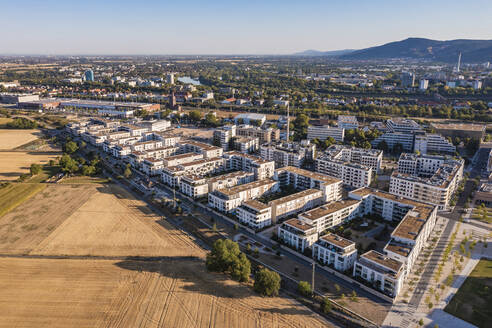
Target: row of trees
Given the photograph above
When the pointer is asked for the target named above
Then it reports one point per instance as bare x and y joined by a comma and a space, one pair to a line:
21, 123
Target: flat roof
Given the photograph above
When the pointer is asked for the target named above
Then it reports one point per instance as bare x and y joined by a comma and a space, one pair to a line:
398, 248
203, 145
180, 156
310, 174
201, 161
324, 210
297, 195
459, 126
413, 222
248, 156
257, 205
383, 260
237, 189
228, 176
337, 240
298, 224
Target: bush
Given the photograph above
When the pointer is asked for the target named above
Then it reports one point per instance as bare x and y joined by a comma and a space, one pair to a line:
35, 169
304, 288
226, 257
22, 123
326, 306
267, 283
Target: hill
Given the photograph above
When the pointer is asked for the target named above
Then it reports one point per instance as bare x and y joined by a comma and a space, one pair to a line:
472, 51
317, 53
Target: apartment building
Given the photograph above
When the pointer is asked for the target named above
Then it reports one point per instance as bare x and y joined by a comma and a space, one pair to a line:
197, 186
394, 140
263, 135
367, 157
331, 214
288, 153
172, 175
355, 175
155, 125
254, 214
208, 151
303, 179
223, 136
402, 125
347, 122
297, 234
381, 272
176, 160
429, 179
409, 237
324, 132
227, 200
246, 144
152, 166
335, 251
432, 143
295, 203
244, 162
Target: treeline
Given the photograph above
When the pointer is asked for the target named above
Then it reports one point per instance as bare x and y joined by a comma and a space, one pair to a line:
21, 123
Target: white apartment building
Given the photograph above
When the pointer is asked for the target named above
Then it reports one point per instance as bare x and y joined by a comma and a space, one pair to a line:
303, 179
331, 214
324, 132
182, 159
246, 144
227, 200
197, 186
295, 203
381, 272
244, 162
403, 125
155, 125
264, 135
347, 122
152, 166
433, 143
208, 151
224, 135
355, 175
367, 157
335, 251
172, 175
428, 179
254, 214
392, 139
288, 153
297, 234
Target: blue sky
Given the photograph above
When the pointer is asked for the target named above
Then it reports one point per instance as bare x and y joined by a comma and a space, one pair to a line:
231, 27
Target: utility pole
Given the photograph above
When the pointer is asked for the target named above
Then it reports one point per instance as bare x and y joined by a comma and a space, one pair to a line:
312, 277
288, 122
174, 197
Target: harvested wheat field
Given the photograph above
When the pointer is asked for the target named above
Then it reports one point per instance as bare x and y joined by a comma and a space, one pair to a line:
10, 139
15, 163
23, 228
106, 293
113, 223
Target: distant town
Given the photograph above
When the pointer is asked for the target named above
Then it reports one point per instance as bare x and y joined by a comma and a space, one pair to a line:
374, 176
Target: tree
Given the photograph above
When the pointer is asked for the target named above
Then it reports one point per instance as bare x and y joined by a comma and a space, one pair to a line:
211, 120
383, 145
35, 169
195, 115
68, 164
71, 147
326, 305
88, 170
421, 322
304, 288
300, 125
267, 283
128, 172
226, 257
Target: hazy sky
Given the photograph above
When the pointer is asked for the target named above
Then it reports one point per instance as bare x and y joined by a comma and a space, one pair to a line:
231, 27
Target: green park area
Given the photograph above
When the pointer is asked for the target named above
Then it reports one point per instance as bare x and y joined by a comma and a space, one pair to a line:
473, 301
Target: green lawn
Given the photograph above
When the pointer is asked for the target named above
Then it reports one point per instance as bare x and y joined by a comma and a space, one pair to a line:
473, 302
15, 194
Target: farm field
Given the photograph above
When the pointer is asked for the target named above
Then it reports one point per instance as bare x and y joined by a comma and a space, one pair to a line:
10, 139
15, 163
472, 302
107, 293
113, 223
24, 227
72, 269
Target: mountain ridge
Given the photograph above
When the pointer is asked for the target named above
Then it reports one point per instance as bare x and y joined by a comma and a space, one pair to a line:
472, 51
